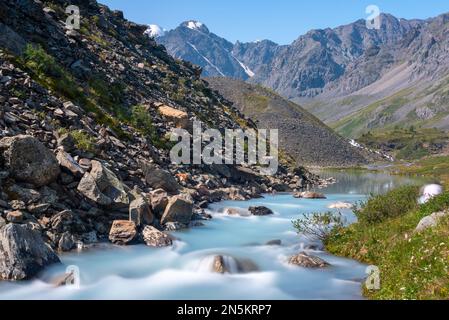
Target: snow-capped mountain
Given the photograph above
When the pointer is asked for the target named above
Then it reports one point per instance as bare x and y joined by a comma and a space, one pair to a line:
192, 41
155, 31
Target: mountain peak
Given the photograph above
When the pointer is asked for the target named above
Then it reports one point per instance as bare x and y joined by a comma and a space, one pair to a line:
155, 31
195, 25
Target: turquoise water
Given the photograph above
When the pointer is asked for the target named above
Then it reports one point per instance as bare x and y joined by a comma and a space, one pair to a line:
183, 272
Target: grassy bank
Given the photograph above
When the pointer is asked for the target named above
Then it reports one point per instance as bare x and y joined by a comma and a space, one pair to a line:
412, 265
436, 167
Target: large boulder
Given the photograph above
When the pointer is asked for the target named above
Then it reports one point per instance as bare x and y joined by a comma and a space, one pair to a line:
158, 178
29, 160
102, 186
23, 253
179, 209
307, 261
155, 238
123, 232
140, 211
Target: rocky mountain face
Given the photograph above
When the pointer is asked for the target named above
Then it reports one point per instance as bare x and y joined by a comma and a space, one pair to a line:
358, 79
192, 41
84, 156
301, 134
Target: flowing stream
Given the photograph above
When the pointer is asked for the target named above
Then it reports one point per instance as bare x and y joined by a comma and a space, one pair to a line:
184, 271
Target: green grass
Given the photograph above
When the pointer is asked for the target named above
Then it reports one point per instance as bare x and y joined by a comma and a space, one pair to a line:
406, 144
83, 141
412, 265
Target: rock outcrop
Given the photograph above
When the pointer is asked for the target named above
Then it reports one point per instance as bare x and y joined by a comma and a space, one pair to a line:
23, 253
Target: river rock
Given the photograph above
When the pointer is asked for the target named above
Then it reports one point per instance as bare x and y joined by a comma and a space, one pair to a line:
159, 201
341, 205
23, 253
308, 261
431, 221
309, 195
227, 264
102, 186
274, 243
175, 226
237, 212
155, 238
178, 210
29, 160
123, 232
140, 211
158, 178
260, 211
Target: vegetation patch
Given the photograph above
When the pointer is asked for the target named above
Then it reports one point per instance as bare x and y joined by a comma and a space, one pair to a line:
412, 265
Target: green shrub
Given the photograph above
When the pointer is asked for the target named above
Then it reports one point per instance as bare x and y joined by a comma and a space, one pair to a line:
436, 204
49, 73
83, 141
141, 120
393, 204
318, 226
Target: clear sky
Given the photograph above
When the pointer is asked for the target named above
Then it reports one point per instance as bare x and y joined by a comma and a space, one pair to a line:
279, 20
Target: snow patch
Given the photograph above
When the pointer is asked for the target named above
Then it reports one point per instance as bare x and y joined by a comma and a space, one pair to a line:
194, 25
357, 145
206, 59
155, 31
248, 71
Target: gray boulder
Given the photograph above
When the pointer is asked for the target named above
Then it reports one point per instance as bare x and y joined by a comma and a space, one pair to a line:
140, 212
158, 178
178, 209
23, 253
29, 160
102, 186
431, 221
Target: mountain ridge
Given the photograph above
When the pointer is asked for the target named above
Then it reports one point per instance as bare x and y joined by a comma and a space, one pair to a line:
325, 68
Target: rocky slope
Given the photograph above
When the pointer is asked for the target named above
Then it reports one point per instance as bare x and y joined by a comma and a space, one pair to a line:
301, 134
83, 151
354, 78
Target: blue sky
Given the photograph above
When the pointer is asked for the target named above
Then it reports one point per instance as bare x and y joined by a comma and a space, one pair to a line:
279, 20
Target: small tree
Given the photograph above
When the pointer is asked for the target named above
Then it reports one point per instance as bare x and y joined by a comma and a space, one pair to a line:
318, 226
